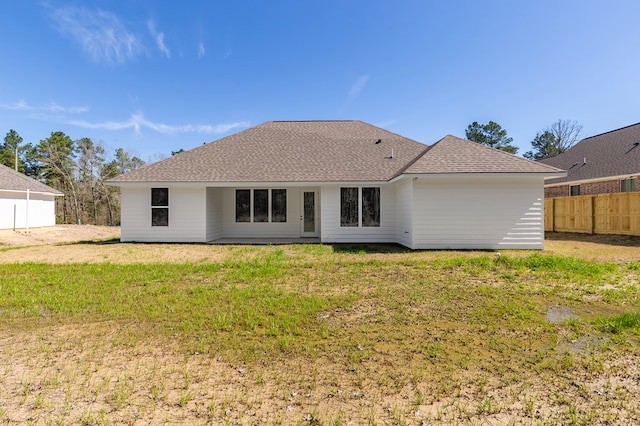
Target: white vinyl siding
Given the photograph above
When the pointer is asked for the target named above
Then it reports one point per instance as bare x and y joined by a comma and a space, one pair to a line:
439, 212
288, 229
332, 232
478, 213
187, 218
404, 211
214, 213
14, 205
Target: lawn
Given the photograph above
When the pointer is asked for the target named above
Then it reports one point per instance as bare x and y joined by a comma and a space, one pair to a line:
320, 334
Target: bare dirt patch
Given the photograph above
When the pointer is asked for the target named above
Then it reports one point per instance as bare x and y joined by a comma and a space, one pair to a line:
604, 248
93, 376
57, 234
94, 244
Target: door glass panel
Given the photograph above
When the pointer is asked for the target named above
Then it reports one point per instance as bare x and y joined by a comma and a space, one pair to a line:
309, 212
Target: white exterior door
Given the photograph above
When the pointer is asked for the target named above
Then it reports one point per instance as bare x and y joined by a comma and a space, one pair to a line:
309, 213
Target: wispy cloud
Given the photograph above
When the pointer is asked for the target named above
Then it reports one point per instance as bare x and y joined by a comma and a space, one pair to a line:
102, 35
201, 50
137, 122
357, 87
385, 124
159, 38
51, 107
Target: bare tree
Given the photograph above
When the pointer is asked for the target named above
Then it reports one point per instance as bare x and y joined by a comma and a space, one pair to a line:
555, 139
566, 133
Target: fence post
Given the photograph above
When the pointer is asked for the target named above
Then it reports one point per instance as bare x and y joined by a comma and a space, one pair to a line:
593, 214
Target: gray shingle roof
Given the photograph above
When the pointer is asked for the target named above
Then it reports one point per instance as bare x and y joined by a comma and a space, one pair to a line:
456, 155
16, 181
325, 151
614, 153
289, 151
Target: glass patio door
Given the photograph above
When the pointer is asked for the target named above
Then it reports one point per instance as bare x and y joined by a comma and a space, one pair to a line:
309, 216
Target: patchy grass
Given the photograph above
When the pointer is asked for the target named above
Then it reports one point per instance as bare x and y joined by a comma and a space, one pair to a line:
314, 334
620, 323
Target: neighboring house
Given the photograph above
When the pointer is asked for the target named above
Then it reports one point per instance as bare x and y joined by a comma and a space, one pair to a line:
25, 202
337, 182
604, 163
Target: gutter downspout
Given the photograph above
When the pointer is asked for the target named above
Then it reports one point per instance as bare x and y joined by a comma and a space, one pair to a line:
27, 224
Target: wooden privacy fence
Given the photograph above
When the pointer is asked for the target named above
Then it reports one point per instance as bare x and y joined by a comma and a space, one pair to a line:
617, 213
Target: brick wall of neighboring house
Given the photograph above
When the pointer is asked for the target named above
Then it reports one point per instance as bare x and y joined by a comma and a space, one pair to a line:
603, 187
556, 191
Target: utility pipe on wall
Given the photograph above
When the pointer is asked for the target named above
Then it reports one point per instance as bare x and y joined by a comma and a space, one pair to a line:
27, 211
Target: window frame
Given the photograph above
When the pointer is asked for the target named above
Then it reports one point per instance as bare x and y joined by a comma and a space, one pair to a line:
261, 202
269, 208
160, 206
281, 212
631, 182
571, 190
245, 210
361, 221
372, 220
349, 211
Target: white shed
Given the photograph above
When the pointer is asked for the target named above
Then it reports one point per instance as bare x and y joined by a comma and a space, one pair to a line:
24, 202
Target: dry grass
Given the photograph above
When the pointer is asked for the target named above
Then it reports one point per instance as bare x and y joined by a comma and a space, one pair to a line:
393, 353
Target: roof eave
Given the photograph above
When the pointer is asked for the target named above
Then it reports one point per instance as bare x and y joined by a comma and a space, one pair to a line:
31, 191
596, 179
237, 184
546, 175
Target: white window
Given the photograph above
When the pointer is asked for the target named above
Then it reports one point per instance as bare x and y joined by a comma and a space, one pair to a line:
159, 206
261, 205
360, 207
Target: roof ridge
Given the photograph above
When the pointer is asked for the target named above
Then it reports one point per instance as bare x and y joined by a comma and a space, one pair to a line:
310, 121
478, 157
499, 151
418, 157
605, 133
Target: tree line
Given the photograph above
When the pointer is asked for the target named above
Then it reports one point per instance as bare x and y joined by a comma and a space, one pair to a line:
77, 168
553, 140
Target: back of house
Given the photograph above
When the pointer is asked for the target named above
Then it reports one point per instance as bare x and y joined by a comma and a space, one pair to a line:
337, 182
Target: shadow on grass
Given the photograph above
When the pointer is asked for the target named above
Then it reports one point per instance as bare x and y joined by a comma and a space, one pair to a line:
114, 240
369, 248
613, 240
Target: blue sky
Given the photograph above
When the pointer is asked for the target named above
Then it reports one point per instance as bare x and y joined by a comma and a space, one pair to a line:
156, 76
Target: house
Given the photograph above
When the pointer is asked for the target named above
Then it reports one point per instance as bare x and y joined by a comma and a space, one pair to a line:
605, 163
337, 182
24, 202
